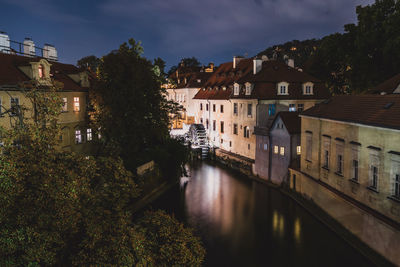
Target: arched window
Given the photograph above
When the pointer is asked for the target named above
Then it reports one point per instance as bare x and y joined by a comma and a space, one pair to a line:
41, 71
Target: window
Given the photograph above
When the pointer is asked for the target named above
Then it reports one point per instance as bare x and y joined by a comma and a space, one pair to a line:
248, 88
222, 141
248, 146
339, 164
374, 169
214, 108
298, 150
265, 147
207, 123
76, 104
64, 105
276, 149
271, 109
283, 88
230, 143
236, 88
326, 159
396, 191
222, 127
326, 151
235, 128
78, 137
214, 125
201, 120
206, 107
308, 88
222, 108
282, 151
246, 132
201, 106
249, 110
235, 109
41, 71
300, 107
395, 174
14, 103
374, 177
309, 146
292, 107
339, 157
355, 170
89, 134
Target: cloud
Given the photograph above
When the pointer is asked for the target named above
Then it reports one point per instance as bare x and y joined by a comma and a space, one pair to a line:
214, 26
46, 9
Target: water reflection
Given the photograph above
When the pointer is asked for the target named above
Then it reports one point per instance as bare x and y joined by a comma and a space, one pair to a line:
244, 223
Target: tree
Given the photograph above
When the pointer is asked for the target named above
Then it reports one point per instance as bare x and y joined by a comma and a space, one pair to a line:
89, 63
188, 62
130, 109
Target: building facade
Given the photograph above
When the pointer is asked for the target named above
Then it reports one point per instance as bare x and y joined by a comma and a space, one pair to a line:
350, 166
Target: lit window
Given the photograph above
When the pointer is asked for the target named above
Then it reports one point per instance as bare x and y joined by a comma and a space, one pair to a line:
298, 149
265, 146
276, 149
89, 134
41, 71
64, 105
14, 103
246, 132
78, 137
292, 107
282, 151
76, 104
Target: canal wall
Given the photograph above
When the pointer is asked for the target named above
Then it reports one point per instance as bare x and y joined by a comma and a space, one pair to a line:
380, 235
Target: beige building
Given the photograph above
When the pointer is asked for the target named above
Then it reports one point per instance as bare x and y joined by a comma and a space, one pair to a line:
350, 166
14, 70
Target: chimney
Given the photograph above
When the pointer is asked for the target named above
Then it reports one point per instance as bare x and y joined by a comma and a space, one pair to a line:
236, 60
29, 47
257, 65
4, 43
290, 62
50, 52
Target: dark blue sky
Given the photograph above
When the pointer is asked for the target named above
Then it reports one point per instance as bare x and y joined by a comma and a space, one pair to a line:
211, 30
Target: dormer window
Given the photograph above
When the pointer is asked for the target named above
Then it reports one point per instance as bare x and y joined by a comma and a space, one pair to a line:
236, 88
249, 88
308, 88
283, 88
41, 71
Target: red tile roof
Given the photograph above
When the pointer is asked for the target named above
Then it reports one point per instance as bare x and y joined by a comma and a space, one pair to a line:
373, 110
10, 74
388, 86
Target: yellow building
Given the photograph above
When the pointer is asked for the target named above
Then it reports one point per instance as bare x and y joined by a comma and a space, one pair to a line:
14, 70
350, 166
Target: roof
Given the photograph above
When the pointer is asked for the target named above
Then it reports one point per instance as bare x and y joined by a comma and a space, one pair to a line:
224, 76
374, 110
291, 120
273, 72
10, 74
388, 86
194, 80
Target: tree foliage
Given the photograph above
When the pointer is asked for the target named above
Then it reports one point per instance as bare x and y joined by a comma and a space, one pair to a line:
89, 63
189, 62
129, 107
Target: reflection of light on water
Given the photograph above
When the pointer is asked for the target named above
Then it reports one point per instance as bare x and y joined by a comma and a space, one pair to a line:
278, 223
297, 229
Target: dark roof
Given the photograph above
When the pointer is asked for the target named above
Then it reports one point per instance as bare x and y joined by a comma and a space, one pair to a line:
388, 86
273, 72
291, 120
10, 74
224, 76
373, 110
194, 80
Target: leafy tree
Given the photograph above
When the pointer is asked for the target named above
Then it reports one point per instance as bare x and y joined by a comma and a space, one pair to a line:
163, 241
89, 62
130, 109
188, 62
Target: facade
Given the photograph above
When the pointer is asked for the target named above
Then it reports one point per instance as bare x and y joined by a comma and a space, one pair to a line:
284, 145
188, 82
14, 70
350, 166
271, 87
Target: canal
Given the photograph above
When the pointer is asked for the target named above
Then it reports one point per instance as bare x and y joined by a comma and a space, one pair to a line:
245, 223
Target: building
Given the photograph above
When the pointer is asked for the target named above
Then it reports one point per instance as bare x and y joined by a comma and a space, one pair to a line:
285, 145
350, 166
390, 86
16, 69
187, 81
271, 87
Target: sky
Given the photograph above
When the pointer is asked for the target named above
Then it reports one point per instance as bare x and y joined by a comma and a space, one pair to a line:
211, 30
